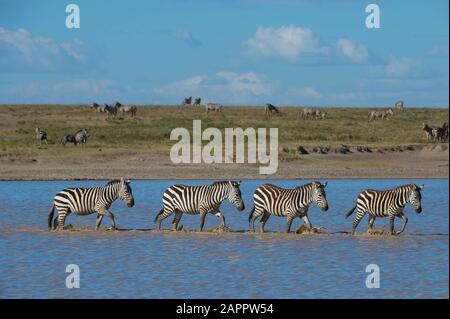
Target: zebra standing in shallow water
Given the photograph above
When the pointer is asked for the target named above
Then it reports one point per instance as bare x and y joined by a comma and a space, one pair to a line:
85, 201
201, 200
291, 203
389, 203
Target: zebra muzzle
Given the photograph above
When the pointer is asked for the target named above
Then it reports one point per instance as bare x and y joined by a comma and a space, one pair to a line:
130, 203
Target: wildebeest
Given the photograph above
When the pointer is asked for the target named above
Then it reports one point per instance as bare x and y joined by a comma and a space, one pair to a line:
41, 135
186, 101
216, 107
270, 108
197, 101
79, 138
131, 109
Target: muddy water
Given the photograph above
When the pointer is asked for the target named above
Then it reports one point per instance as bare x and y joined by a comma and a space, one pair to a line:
138, 262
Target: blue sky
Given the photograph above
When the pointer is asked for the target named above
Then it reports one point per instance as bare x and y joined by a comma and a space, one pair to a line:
233, 52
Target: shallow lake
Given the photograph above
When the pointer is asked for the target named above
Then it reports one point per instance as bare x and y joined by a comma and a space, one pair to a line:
137, 262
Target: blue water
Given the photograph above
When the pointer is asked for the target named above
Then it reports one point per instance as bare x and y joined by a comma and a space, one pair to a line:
138, 262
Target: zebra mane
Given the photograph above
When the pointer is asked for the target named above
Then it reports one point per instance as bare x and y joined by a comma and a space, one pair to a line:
113, 181
221, 182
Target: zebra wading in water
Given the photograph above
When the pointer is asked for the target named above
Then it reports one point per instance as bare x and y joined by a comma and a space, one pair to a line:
85, 201
389, 203
201, 200
291, 203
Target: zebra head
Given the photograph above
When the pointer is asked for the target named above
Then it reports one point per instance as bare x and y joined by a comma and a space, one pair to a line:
125, 192
319, 195
415, 197
85, 132
234, 195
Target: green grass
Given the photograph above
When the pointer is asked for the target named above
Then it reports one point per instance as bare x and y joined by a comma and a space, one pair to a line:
150, 130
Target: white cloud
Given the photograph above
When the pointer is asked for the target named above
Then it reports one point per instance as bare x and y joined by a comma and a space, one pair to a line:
36, 51
355, 52
289, 42
397, 68
187, 37
225, 87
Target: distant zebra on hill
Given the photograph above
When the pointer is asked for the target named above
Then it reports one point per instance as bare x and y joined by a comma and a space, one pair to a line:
380, 115
290, 203
270, 108
79, 138
41, 135
111, 110
399, 105
197, 102
389, 203
216, 107
85, 201
201, 200
186, 101
99, 108
130, 109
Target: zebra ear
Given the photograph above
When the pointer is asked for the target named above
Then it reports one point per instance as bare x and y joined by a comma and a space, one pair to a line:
421, 186
238, 183
122, 181
128, 181
325, 184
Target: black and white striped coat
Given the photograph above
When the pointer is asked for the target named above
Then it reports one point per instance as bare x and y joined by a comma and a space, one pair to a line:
270, 199
388, 203
201, 200
41, 135
85, 201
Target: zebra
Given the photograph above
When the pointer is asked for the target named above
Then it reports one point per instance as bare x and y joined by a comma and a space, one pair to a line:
386, 114
131, 109
270, 108
186, 101
99, 108
213, 107
399, 105
85, 201
271, 199
375, 115
201, 200
307, 112
197, 101
320, 114
428, 131
388, 203
41, 135
79, 138
111, 110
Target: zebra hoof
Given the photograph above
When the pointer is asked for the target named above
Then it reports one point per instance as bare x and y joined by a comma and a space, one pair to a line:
111, 228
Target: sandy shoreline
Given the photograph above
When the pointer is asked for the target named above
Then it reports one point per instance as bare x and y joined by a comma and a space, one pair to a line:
427, 162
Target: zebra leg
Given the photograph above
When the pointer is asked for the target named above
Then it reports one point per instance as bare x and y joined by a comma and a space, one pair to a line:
391, 224
405, 221
167, 212
263, 221
371, 221
359, 215
289, 219
306, 221
202, 219
176, 220
98, 221
61, 219
222, 218
255, 216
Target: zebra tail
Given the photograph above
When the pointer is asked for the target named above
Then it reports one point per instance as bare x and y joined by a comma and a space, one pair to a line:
350, 212
50, 216
251, 214
160, 212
